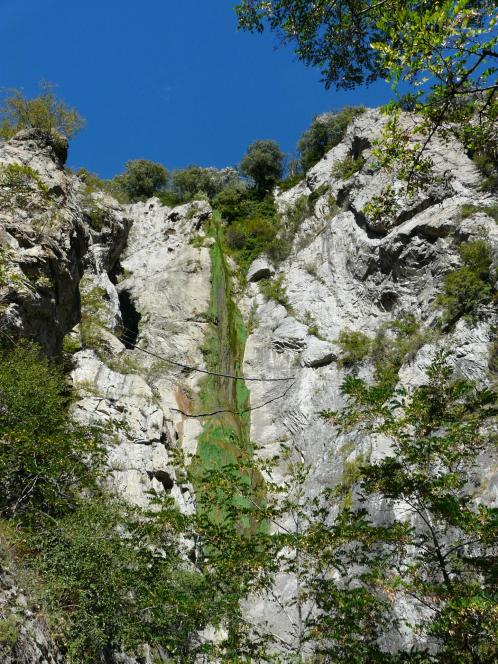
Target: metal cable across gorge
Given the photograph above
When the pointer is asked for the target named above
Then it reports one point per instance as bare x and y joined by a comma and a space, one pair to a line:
220, 411
203, 371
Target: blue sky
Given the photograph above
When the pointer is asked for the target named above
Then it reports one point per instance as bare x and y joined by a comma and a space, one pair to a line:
167, 80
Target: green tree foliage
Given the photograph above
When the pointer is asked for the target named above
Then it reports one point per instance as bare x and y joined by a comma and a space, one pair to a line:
141, 179
251, 222
209, 181
45, 458
443, 543
113, 580
334, 609
264, 164
326, 131
232, 203
431, 544
108, 576
469, 287
44, 112
446, 50
347, 167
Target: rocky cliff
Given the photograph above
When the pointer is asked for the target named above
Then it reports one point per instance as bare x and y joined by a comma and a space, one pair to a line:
130, 288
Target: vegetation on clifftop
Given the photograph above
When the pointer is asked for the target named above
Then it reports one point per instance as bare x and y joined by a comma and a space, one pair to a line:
45, 112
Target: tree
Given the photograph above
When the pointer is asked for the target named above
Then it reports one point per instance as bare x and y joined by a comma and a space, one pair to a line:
446, 50
46, 459
141, 179
110, 577
405, 528
326, 131
443, 538
114, 579
264, 164
44, 112
210, 181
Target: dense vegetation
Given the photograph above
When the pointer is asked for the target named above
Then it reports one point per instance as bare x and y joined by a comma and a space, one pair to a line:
107, 576
326, 131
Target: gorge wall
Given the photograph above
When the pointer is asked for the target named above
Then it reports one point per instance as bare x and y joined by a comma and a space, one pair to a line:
147, 301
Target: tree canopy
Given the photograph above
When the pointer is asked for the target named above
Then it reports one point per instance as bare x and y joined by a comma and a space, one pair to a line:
142, 179
196, 179
445, 50
263, 163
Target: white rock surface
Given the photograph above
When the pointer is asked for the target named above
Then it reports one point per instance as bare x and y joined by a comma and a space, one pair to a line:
318, 353
259, 269
348, 277
166, 280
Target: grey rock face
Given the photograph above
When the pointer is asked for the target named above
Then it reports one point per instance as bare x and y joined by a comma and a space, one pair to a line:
164, 281
289, 335
260, 269
43, 243
47, 241
348, 277
319, 353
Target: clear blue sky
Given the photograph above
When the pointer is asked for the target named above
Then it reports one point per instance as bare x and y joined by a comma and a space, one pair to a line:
167, 80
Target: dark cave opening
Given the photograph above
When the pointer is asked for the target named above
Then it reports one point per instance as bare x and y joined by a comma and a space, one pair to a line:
131, 319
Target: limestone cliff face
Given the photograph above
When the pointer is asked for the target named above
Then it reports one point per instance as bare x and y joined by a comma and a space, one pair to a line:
160, 302
144, 274
345, 273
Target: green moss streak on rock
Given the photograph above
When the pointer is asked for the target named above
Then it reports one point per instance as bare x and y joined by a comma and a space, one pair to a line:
226, 436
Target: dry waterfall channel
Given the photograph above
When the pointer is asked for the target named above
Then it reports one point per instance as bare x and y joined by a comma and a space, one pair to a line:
169, 299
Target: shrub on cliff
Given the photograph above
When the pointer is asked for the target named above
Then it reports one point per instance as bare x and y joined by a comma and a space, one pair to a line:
469, 287
141, 179
326, 131
44, 112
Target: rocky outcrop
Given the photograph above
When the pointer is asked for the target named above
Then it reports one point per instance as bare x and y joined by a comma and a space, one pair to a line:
135, 379
43, 240
259, 269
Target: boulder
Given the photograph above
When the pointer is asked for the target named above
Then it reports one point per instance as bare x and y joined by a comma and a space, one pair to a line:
319, 353
290, 335
260, 269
